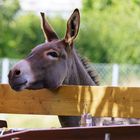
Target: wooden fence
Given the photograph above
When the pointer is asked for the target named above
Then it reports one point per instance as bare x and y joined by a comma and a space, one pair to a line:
74, 100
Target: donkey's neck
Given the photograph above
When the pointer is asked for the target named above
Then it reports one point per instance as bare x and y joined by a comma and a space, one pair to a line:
77, 73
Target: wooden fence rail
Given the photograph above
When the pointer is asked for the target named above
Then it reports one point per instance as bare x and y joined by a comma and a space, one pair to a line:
78, 133
75, 100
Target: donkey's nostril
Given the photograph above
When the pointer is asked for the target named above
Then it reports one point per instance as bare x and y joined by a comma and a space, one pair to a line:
17, 72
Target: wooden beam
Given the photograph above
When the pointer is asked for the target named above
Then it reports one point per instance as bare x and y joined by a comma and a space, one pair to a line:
73, 100
78, 133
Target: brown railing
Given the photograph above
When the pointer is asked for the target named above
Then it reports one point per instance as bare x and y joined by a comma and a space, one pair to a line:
74, 100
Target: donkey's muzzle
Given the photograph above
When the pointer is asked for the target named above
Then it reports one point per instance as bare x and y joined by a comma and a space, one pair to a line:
20, 76
16, 80
18, 84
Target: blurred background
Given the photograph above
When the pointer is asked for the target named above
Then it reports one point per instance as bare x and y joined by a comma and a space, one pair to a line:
109, 38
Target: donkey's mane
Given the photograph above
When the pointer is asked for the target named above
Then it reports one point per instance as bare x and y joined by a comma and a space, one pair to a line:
91, 71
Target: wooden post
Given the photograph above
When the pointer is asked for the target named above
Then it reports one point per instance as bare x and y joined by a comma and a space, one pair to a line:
5, 70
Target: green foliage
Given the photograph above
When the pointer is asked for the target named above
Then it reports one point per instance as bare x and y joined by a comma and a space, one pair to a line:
26, 34
59, 25
110, 31
7, 14
21, 31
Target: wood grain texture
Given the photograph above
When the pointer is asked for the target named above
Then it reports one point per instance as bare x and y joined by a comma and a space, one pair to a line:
73, 100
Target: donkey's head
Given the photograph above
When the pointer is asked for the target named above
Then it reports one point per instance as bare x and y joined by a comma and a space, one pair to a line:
47, 65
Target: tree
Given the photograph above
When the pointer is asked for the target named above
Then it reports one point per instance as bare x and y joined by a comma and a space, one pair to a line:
9, 8
26, 34
110, 31
21, 31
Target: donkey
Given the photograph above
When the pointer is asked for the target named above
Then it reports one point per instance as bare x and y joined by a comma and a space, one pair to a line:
54, 63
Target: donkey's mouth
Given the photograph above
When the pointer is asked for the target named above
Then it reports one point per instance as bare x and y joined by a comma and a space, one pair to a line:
19, 86
36, 85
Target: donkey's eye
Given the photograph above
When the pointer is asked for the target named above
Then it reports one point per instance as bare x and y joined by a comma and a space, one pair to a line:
53, 54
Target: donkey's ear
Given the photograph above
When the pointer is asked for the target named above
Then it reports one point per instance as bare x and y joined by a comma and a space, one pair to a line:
72, 27
47, 29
